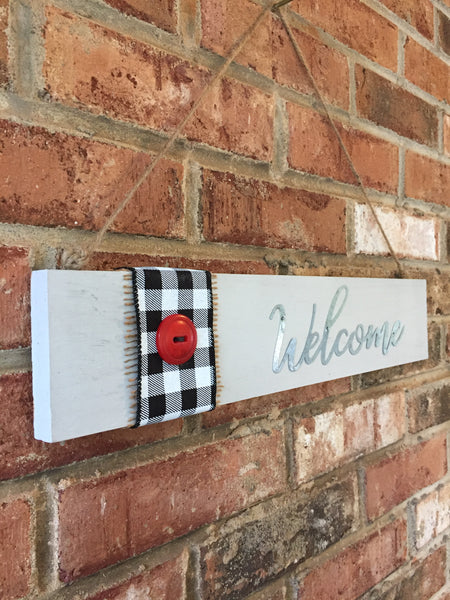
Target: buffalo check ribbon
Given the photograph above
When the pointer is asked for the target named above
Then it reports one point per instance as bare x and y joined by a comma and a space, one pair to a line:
166, 391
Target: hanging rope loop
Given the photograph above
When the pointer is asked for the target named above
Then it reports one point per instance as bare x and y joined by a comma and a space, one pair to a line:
77, 258
318, 94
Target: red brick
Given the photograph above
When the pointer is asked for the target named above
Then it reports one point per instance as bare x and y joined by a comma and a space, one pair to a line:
270, 51
75, 182
21, 454
272, 403
444, 33
390, 106
4, 17
427, 179
359, 567
110, 73
314, 148
428, 407
105, 261
426, 70
392, 480
235, 117
277, 592
242, 556
128, 80
161, 13
247, 211
328, 67
329, 439
15, 549
438, 291
350, 23
167, 580
108, 519
224, 21
418, 13
427, 578
15, 276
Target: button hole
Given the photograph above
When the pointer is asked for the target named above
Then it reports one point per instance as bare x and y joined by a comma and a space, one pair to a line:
180, 338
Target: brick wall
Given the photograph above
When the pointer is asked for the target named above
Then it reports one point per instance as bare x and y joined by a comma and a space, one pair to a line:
336, 491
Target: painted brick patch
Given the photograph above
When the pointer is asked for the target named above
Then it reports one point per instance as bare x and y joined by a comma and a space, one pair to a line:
432, 515
410, 236
331, 438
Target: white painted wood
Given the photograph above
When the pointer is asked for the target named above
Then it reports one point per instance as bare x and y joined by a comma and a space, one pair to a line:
78, 339
78, 353
246, 335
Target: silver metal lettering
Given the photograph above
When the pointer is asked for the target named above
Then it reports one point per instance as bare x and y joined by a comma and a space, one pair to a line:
329, 345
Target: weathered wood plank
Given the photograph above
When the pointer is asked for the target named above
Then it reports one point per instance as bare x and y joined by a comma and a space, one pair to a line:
341, 327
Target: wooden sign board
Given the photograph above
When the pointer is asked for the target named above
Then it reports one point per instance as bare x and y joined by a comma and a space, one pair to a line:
279, 333
272, 334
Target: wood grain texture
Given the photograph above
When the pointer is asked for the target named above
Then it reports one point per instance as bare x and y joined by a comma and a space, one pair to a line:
79, 339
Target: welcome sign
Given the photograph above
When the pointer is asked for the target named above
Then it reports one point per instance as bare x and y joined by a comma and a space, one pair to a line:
278, 333
270, 334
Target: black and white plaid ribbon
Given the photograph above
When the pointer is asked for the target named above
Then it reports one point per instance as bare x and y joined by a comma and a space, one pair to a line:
166, 391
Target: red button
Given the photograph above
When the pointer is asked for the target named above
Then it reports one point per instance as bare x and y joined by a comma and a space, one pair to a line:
176, 339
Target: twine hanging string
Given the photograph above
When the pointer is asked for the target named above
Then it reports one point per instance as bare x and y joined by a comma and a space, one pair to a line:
77, 258
342, 145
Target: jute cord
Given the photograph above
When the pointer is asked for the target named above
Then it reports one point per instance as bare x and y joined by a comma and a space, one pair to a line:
342, 145
77, 258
